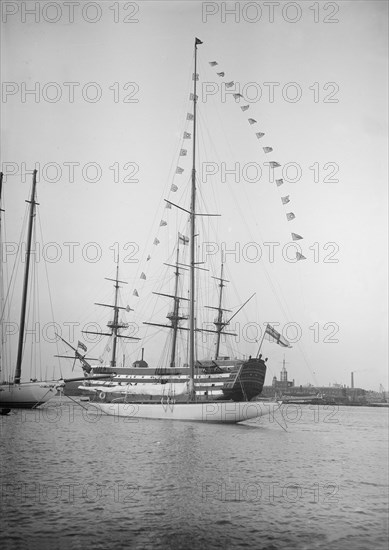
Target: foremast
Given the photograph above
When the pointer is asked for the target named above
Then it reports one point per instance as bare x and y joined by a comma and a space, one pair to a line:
18, 370
175, 316
115, 325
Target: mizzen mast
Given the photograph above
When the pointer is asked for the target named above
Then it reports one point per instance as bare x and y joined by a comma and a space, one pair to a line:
174, 316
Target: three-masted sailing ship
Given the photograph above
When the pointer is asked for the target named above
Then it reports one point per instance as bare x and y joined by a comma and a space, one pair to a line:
18, 394
216, 378
180, 399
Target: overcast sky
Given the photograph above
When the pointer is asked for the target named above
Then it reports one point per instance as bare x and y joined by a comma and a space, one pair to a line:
104, 128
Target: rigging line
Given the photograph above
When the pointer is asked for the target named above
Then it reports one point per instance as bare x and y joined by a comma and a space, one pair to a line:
85, 312
34, 297
282, 304
42, 399
15, 268
302, 297
4, 232
184, 109
171, 177
17, 263
314, 378
30, 310
272, 280
11, 288
167, 278
77, 402
145, 341
243, 390
37, 357
274, 418
50, 295
164, 357
36, 307
214, 223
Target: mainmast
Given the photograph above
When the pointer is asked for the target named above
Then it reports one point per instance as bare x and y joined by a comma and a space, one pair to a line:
32, 203
174, 317
192, 289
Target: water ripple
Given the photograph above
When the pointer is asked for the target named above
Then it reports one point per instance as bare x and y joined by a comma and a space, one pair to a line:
74, 483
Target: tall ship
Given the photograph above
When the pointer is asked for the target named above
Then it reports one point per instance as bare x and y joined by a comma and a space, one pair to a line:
215, 378
215, 389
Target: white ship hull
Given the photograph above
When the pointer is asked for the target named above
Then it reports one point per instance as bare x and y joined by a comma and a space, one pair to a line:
158, 390
223, 412
27, 395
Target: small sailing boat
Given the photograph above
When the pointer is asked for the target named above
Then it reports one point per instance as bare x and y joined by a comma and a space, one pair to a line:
18, 394
192, 407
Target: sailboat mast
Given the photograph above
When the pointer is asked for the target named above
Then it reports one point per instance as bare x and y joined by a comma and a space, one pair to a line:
193, 229
1, 271
1, 188
32, 202
115, 319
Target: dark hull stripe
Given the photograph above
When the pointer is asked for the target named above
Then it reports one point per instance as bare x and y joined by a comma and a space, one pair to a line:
20, 404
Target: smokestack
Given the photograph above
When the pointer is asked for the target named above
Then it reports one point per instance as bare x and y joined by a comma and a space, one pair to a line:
352, 380
143, 349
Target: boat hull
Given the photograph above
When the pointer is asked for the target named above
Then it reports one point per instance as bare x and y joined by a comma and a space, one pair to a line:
238, 381
248, 382
26, 395
220, 412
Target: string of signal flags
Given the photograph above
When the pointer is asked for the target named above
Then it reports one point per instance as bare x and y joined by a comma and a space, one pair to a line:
179, 170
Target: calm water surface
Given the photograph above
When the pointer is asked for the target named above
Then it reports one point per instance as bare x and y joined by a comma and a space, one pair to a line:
311, 478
